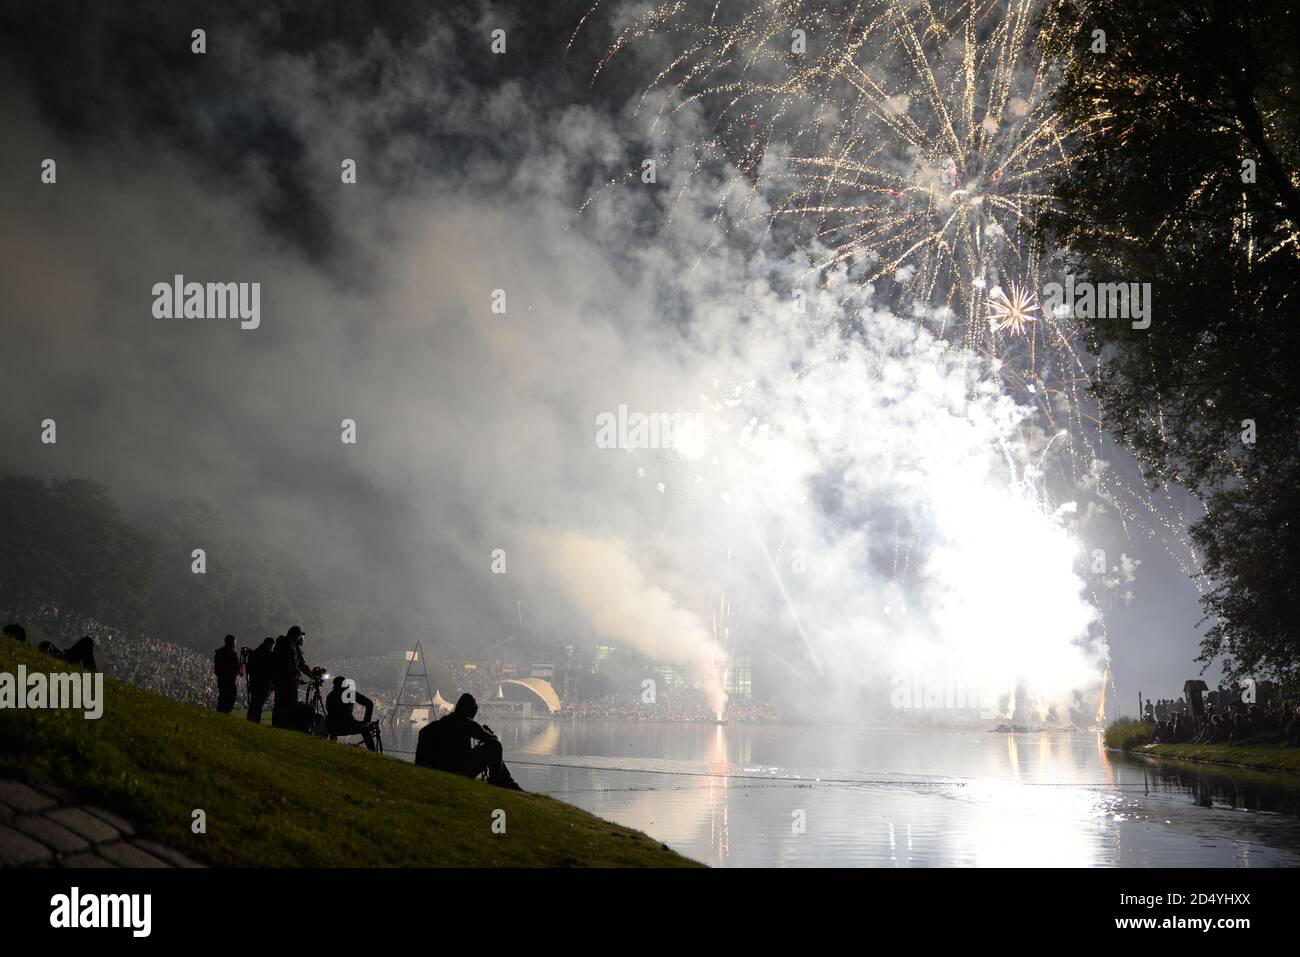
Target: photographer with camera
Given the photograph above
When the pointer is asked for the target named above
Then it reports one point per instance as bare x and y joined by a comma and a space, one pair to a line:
289, 663
227, 667
449, 744
339, 718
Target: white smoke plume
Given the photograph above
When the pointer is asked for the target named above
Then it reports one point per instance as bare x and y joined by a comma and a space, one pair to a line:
863, 494
602, 580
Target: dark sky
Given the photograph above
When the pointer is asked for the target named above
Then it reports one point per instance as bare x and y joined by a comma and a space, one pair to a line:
476, 429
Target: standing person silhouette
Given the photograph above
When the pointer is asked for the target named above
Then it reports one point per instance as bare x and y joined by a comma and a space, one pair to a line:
227, 667
261, 671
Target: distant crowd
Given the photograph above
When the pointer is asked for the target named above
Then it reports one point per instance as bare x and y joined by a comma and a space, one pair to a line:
1224, 716
162, 667
245, 677
181, 673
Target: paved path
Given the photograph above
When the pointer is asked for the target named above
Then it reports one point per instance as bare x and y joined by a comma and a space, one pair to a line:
45, 826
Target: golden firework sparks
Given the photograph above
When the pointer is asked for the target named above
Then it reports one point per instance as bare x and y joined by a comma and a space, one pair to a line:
910, 145
1013, 311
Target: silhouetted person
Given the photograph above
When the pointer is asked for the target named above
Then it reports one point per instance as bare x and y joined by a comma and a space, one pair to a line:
339, 717
261, 669
82, 652
227, 667
17, 632
289, 665
448, 745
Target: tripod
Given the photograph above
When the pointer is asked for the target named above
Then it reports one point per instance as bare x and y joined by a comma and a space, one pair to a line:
316, 701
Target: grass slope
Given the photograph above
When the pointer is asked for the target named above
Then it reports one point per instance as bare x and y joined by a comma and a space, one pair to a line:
1129, 735
276, 798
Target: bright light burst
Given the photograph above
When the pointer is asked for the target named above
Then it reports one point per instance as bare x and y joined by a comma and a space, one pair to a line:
906, 144
1012, 312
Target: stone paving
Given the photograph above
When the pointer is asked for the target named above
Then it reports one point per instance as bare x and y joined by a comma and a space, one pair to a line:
45, 826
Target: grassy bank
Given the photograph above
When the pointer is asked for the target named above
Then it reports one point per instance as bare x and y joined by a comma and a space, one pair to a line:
1125, 734
1129, 735
277, 798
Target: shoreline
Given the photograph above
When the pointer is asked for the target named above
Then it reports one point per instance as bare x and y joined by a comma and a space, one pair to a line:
282, 798
1167, 752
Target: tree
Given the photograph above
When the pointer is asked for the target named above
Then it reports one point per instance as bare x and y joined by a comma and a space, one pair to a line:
1186, 178
65, 542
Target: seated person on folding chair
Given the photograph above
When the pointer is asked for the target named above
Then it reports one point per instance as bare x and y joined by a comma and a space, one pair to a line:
338, 711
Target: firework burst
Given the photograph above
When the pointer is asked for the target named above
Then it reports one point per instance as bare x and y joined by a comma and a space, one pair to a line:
1013, 311
909, 140
904, 145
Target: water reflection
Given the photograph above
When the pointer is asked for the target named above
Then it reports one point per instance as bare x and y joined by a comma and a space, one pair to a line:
1211, 787
736, 795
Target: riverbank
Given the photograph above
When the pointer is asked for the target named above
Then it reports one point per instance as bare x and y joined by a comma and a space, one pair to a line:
1131, 736
274, 798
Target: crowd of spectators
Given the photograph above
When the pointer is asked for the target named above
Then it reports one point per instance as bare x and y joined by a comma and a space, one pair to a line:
180, 672
159, 666
1225, 718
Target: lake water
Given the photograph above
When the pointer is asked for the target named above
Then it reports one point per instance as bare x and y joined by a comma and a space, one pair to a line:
768, 796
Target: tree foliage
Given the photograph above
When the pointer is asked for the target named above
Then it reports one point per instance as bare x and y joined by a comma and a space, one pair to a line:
1185, 177
66, 542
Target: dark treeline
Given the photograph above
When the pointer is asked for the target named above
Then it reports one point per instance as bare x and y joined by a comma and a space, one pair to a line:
1187, 176
67, 544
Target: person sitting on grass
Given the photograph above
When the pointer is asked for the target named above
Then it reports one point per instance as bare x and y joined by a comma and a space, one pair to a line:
448, 744
82, 652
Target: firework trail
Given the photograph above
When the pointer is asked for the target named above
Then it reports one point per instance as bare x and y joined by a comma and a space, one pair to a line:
910, 140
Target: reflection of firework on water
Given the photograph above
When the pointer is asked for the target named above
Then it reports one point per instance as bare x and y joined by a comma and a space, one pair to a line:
1013, 311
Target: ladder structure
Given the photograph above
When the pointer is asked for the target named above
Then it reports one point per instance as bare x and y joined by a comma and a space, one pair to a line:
417, 673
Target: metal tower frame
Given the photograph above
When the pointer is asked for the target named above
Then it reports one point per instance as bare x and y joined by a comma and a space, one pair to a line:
414, 658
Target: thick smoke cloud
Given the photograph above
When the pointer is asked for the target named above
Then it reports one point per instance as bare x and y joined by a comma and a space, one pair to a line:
860, 496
